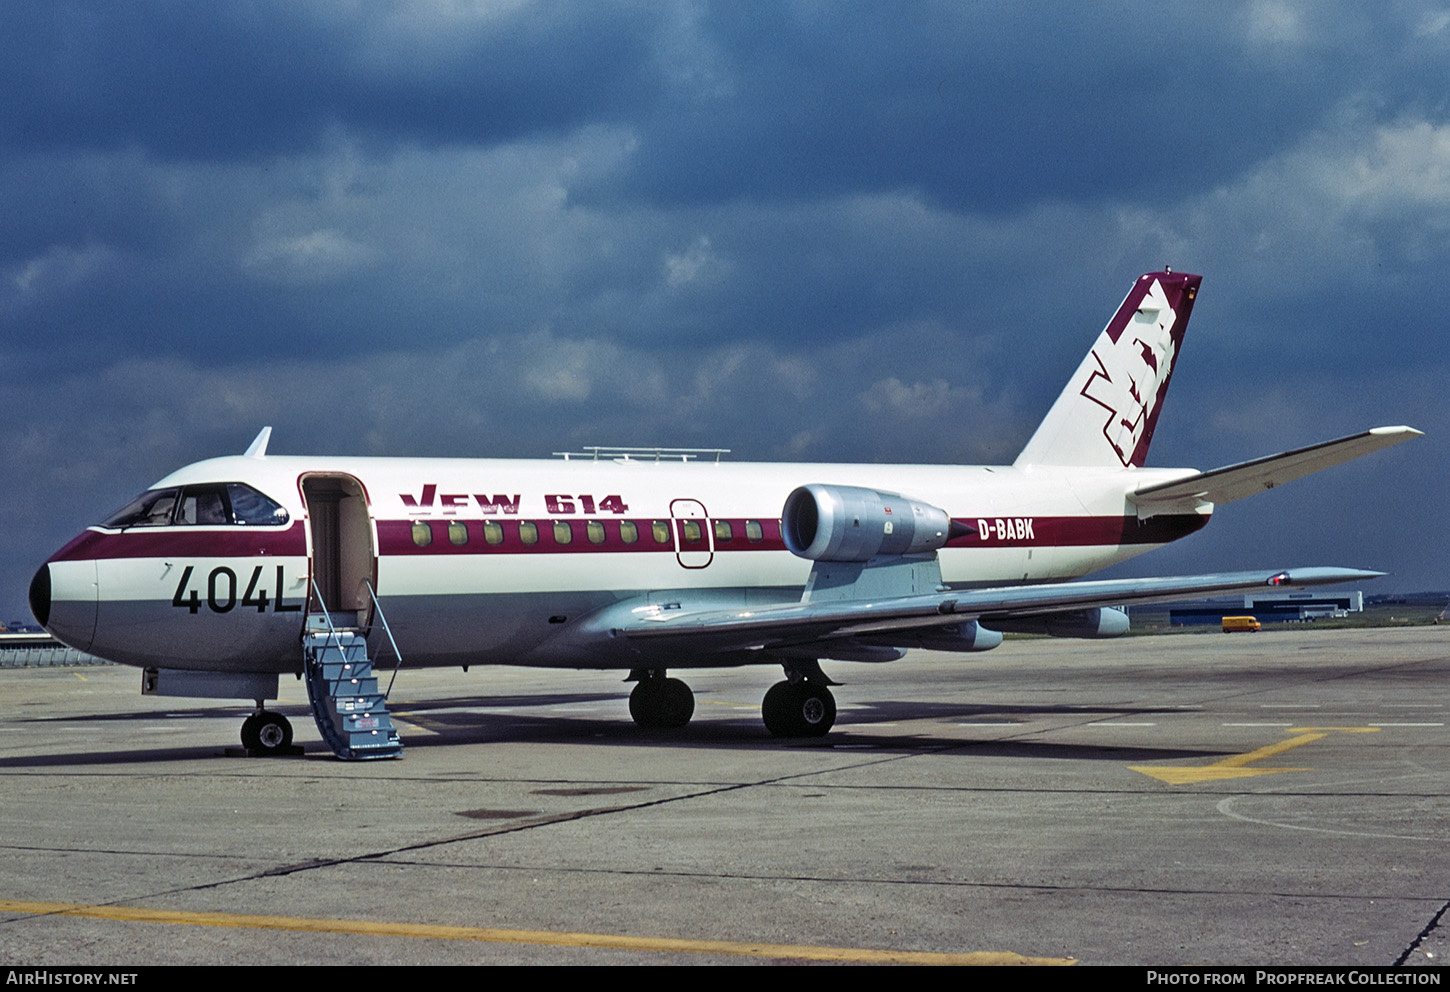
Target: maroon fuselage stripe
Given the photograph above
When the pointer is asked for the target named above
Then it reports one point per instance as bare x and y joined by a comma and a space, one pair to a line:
186, 542
396, 537
1076, 532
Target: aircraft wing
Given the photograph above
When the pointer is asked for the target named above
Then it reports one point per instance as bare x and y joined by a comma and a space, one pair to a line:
803, 623
1233, 482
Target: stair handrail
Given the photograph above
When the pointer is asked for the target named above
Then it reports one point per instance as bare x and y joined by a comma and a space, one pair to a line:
332, 633
378, 611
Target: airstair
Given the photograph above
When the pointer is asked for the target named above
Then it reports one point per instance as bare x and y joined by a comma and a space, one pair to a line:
351, 713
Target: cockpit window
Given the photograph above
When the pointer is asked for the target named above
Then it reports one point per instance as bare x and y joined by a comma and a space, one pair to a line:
213, 504
150, 509
202, 505
251, 507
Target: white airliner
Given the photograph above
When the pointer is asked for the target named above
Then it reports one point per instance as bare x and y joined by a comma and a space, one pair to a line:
233, 571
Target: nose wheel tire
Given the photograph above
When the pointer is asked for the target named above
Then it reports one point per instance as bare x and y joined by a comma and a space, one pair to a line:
265, 732
798, 709
657, 702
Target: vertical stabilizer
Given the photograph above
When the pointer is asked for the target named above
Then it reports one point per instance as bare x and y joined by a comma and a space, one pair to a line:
1106, 415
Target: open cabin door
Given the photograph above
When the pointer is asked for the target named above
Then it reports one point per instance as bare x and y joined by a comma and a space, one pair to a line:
342, 554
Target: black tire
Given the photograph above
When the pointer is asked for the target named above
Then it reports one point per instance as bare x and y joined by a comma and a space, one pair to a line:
798, 709
661, 703
677, 703
266, 733
250, 739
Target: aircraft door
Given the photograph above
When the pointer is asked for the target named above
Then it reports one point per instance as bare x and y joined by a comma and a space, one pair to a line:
694, 539
341, 551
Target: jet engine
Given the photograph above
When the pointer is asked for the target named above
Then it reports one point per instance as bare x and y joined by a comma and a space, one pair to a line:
847, 523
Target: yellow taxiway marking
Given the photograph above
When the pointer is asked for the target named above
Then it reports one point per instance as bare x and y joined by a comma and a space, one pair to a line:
620, 942
1235, 766
413, 722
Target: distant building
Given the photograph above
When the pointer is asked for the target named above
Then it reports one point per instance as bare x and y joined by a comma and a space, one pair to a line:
1278, 607
1303, 605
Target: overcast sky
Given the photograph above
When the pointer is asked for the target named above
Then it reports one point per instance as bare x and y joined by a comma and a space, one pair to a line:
818, 230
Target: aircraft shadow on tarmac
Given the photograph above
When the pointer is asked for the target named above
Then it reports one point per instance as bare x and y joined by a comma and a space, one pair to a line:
453, 724
483, 719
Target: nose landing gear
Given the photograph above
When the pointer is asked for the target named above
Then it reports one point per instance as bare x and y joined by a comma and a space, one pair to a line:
267, 734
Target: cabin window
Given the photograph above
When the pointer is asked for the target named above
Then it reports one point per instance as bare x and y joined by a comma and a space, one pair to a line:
628, 531
422, 533
753, 532
528, 532
723, 532
661, 531
690, 530
563, 533
594, 530
457, 532
492, 532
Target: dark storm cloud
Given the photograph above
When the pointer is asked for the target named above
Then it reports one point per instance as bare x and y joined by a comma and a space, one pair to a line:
976, 107
988, 108
205, 81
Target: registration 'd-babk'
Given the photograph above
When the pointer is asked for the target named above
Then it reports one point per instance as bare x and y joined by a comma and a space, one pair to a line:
234, 571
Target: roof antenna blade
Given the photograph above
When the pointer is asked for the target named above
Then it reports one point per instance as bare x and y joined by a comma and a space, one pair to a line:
258, 448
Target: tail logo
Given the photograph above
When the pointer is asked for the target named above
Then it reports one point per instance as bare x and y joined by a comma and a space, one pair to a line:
1131, 371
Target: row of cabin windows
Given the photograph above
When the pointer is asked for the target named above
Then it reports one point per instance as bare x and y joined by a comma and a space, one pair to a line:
594, 531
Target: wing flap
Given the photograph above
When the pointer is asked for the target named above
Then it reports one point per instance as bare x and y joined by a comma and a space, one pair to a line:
1235, 482
804, 623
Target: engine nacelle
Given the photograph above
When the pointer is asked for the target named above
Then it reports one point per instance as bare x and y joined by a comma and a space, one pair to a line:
1102, 621
958, 637
848, 523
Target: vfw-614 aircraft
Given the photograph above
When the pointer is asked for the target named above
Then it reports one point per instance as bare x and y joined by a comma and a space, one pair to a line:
233, 571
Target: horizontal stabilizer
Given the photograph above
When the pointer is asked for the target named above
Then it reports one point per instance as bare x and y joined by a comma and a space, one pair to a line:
1234, 482
713, 629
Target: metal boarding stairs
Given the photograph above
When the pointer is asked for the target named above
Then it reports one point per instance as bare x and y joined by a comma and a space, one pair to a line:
351, 714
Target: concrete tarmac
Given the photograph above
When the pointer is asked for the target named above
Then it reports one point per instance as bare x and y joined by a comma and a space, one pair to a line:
1253, 799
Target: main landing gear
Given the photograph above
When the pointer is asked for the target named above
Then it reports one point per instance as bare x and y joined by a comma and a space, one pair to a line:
265, 733
799, 709
801, 706
658, 701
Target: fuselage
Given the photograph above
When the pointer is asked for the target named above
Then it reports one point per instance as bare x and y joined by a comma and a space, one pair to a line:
233, 571
500, 561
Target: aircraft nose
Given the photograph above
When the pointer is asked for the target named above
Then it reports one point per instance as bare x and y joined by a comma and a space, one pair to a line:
63, 599
40, 595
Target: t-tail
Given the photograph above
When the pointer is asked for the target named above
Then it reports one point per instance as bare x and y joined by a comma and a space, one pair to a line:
1106, 415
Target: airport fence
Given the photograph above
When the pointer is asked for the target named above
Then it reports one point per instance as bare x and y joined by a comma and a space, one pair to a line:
56, 656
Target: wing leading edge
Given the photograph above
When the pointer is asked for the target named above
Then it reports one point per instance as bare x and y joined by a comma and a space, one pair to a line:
803, 623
